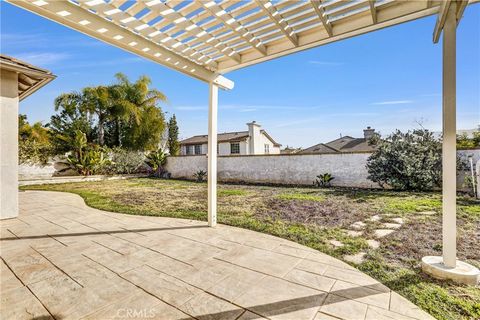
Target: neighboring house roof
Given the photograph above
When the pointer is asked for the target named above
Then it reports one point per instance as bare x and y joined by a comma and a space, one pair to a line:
225, 137
290, 150
30, 77
319, 148
222, 137
343, 144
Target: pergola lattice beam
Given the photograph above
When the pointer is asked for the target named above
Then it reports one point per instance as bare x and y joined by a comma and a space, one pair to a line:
373, 11
127, 18
194, 29
317, 6
84, 21
202, 38
231, 23
273, 13
443, 12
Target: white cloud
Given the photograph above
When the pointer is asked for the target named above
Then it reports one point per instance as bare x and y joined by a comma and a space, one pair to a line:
392, 102
43, 58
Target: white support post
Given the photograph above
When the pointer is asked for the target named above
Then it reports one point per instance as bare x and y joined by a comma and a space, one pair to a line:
212, 154
447, 266
449, 150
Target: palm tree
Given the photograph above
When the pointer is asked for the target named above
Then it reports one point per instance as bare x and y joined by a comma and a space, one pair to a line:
134, 101
98, 101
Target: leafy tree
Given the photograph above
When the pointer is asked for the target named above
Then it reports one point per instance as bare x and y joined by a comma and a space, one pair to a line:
173, 143
70, 117
99, 101
464, 142
407, 161
33, 142
140, 129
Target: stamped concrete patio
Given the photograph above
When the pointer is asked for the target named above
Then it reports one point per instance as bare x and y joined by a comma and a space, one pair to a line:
65, 260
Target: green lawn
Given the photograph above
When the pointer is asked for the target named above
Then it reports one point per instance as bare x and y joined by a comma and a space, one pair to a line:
315, 217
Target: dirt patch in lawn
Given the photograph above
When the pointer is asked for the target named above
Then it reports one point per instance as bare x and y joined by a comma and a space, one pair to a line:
423, 237
327, 213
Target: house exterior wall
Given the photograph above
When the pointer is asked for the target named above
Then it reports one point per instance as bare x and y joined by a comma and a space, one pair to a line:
263, 140
8, 144
349, 169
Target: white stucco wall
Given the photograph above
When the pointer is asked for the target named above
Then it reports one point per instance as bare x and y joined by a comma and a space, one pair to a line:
8, 144
349, 170
281, 169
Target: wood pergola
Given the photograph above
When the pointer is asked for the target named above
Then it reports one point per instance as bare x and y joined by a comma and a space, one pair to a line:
207, 39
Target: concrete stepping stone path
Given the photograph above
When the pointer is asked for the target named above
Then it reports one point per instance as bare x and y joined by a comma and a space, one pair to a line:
355, 258
380, 233
359, 225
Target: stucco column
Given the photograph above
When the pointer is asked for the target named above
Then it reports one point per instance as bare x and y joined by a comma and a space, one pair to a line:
8, 144
449, 150
212, 155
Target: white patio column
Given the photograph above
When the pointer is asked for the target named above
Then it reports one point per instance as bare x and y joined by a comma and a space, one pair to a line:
8, 144
212, 154
447, 266
449, 148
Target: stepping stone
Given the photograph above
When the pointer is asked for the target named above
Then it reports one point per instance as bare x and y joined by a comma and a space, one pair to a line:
398, 220
375, 218
392, 225
353, 233
380, 233
359, 225
355, 258
374, 244
428, 213
336, 243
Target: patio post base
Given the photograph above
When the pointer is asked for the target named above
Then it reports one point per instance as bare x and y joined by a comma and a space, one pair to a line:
463, 272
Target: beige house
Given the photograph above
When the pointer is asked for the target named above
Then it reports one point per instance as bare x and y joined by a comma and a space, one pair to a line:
18, 80
254, 141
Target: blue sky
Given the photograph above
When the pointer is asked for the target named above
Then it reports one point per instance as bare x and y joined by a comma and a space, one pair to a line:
387, 80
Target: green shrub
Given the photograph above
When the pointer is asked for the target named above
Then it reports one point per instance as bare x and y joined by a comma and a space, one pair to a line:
156, 160
86, 159
200, 175
33, 152
323, 180
126, 162
407, 161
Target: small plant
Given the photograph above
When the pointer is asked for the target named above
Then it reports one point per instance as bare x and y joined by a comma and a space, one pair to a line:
85, 159
200, 175
156, 160
323, 180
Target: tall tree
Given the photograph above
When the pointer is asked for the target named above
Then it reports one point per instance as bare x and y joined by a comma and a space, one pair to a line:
98, 101
173, 143
144, 120
70, 117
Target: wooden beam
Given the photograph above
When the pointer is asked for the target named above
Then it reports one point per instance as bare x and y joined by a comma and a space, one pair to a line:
195, 29
231, 23
460, 6
277, 18
441, 18
78, 14
316, 4
373, 11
